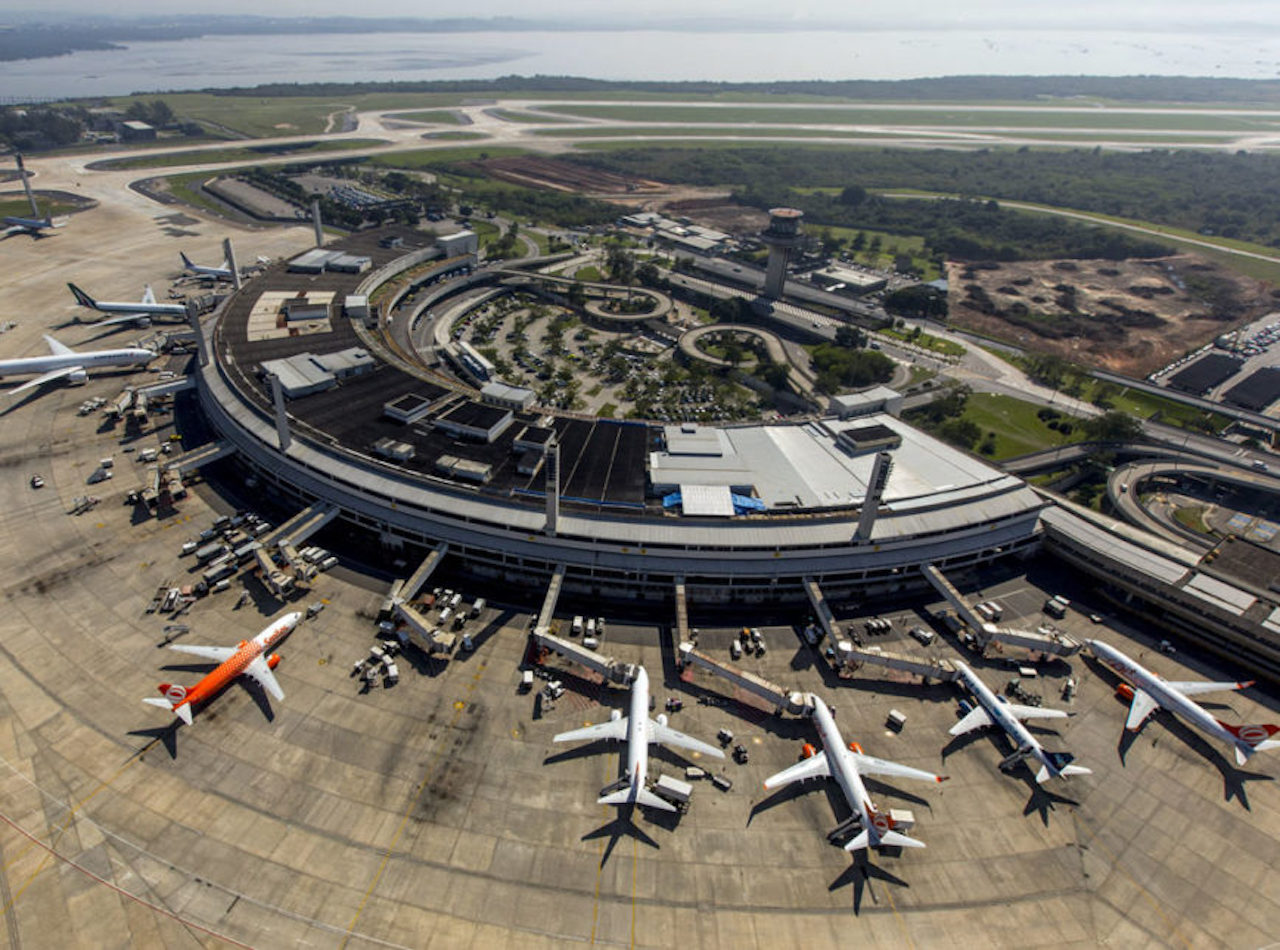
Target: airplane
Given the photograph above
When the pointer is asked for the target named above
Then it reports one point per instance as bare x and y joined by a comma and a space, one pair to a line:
845, 764
250, 657
992, 710
638, 730
64, 362
34, 225
201, 270
1150, 691
139, 313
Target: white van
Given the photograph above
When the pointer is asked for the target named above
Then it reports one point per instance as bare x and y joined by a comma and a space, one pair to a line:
577, 626
445, 615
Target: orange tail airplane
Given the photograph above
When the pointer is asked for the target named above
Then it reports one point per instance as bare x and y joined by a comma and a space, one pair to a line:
250, 657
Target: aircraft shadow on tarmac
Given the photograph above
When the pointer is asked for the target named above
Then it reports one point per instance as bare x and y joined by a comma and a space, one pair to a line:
859, 874
622, 825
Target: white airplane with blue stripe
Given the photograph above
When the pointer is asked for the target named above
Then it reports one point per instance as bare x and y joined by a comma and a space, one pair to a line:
994, 711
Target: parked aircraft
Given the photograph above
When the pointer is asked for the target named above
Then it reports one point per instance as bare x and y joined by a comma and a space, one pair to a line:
993, 710
638, 730
64, 362
250, 657
34, 225
139, 313
1150, 691
201, 270
845, 764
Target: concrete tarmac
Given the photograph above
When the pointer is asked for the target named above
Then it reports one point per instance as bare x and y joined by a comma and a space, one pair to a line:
439, 813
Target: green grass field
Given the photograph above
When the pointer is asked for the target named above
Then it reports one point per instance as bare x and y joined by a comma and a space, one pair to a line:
928, 341
1018, 431
693, 131
237, 154
950, 116
18, 207
265, 116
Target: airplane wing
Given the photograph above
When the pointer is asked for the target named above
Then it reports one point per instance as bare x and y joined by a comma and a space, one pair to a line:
1035, 712
813, 767
56, 348
1143, 705
261, 674
217, 654
668, 736
127, 318
45, 378
1193, 688
148, 295
613, 729
975, 719
873, 766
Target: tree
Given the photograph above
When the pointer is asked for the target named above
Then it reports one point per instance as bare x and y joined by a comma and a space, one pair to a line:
851, 337
775, 374
853, 195
1113, 426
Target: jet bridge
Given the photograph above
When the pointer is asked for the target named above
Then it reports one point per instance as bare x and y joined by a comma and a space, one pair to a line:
612, 670
418, 579
930, 669
794, 702
550, 599
198, 458
416, 629
821, 610
302, 525
986, 633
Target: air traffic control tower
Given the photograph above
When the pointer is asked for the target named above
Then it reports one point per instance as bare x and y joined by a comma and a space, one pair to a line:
782, 236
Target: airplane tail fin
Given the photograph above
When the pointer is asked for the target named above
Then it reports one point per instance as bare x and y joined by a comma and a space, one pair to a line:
642, 797
82, 298
174, 700
183, 712
1251, 738
1061, 762
859, 841
892, 838
186, 261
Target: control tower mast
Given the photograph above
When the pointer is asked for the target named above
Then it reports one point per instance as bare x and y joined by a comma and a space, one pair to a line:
783, 236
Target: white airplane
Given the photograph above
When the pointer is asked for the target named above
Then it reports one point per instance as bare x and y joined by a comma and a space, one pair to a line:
1150, 692
639, 730
137, 313
250, 658
845, 764
34, 225
992, 710
201, 270
65, 362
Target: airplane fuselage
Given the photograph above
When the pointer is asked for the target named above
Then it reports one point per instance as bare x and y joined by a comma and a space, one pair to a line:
249, 650
128, 356
844, 769
638, 733
1154, 686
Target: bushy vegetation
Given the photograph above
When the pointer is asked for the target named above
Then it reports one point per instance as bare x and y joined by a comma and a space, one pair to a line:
1230, 195
839, 367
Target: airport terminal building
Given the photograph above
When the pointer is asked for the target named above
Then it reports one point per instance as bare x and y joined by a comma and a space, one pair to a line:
625, 510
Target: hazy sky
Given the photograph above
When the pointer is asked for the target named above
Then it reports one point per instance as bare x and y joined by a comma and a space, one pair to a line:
1103, 15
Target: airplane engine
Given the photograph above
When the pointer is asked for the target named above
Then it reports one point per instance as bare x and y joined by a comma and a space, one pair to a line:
807, 751
1125, 692
662, 720
855, 747
273, 661
615, 715
78, 378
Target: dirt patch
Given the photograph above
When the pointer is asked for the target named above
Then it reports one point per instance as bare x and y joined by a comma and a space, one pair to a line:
1130, 317
554, 175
